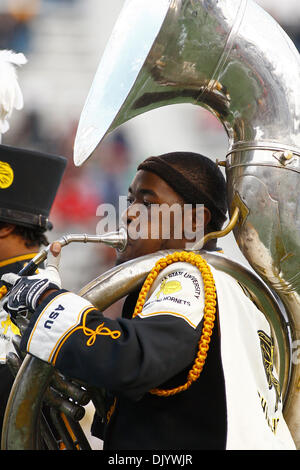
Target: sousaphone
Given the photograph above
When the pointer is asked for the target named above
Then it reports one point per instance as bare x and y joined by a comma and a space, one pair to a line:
233, 59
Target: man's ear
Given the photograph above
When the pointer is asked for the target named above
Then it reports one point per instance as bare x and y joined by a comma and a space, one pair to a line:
6, 230
196, 221
200, 217
206, 217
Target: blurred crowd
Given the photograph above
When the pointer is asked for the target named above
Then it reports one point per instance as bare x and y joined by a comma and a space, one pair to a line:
16, 17
287, 13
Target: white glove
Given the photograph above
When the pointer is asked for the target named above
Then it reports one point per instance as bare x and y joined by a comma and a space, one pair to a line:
26, 291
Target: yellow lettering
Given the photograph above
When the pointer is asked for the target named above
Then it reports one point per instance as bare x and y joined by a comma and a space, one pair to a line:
272, 423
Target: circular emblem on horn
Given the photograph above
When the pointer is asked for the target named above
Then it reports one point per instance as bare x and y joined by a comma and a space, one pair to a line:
6, 175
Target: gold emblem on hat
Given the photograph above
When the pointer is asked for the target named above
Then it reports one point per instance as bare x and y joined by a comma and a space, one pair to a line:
6, 175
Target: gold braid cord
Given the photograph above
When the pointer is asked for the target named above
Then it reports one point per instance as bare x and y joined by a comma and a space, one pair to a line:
209, 311
3, 291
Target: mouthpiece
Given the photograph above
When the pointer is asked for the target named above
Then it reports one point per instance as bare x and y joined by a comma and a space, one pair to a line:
117, 240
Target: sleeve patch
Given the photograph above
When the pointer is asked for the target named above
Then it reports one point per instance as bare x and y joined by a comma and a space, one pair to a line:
177, 291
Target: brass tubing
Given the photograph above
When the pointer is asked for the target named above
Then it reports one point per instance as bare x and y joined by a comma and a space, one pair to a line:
210, 236
70, 389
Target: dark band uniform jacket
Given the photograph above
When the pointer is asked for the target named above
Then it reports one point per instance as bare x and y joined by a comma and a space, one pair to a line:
235, 403
7, 331
29, 181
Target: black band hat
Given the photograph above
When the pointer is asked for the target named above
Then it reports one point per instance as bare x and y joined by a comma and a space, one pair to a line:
29, 181
191, 193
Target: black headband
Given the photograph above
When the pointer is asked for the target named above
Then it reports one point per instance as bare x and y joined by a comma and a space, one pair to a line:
181, 185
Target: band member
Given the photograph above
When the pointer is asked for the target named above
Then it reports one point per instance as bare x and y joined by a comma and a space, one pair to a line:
29, 181
189, 364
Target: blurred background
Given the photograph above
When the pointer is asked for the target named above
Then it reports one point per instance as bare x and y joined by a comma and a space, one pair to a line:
63, 41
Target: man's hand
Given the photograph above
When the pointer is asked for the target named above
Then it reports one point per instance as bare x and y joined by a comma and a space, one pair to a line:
28, 291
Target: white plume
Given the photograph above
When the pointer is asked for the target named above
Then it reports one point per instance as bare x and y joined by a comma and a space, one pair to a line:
10, 93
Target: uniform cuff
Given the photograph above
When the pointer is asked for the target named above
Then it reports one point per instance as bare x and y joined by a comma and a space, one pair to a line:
54, 320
